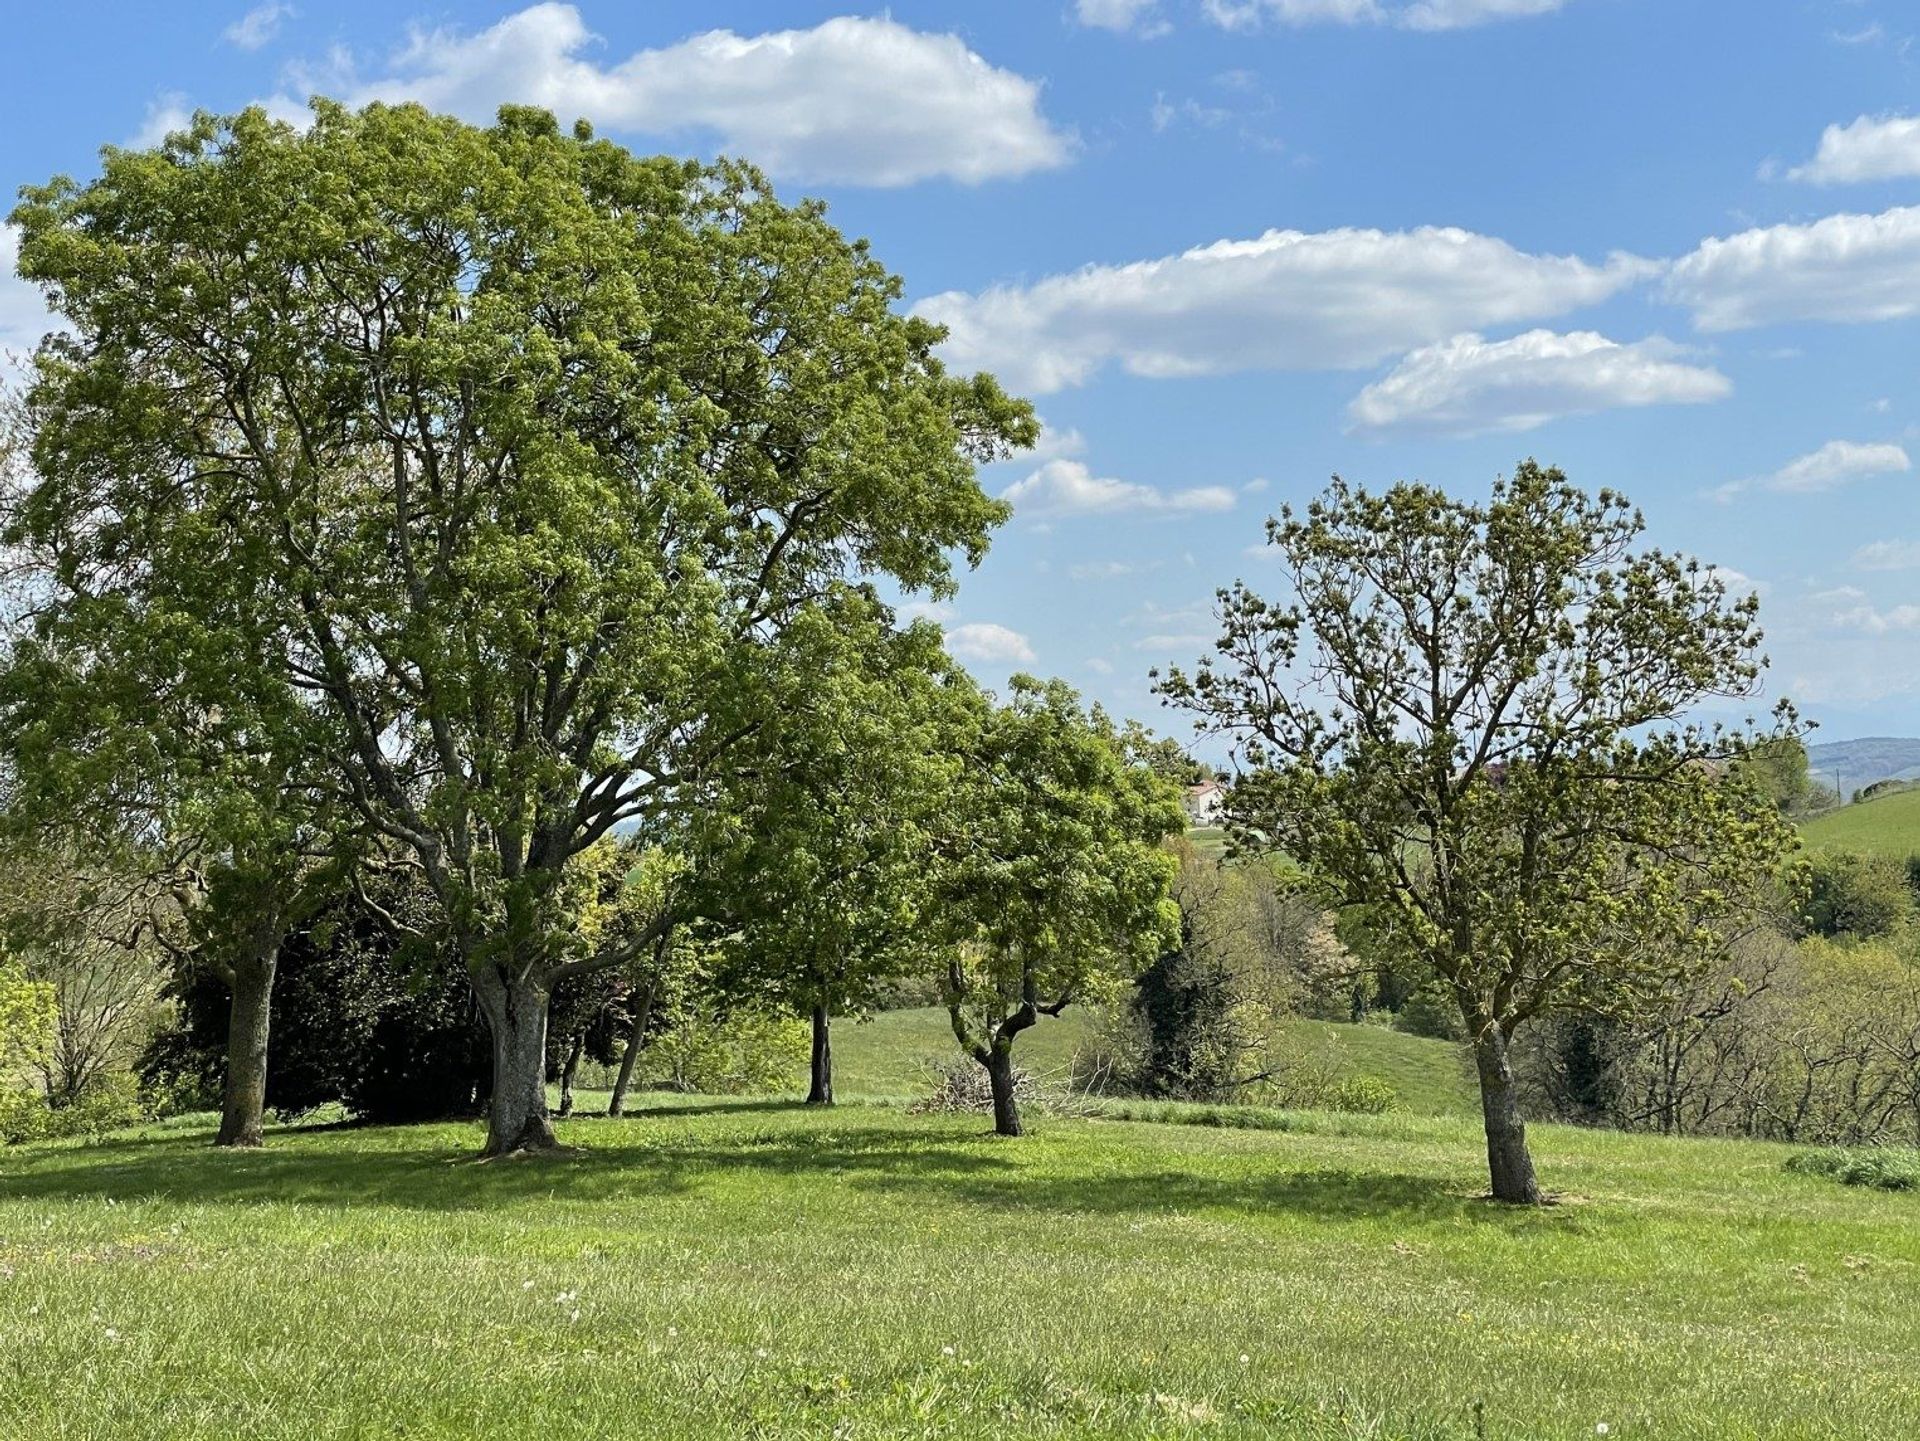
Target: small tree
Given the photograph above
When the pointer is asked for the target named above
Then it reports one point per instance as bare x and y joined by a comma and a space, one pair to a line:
1058, 887
1471, 719
821, 854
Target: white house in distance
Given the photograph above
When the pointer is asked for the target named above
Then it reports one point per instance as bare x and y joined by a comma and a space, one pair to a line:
1204, 802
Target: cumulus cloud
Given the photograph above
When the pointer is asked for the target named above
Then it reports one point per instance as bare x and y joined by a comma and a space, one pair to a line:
1844, 267
1469, 386
23, 314
989, 644
1068, 487
259, 25
166, 113
1287, 300
1885, 147
1420, 15
1836, 463
1874, 621
858, 101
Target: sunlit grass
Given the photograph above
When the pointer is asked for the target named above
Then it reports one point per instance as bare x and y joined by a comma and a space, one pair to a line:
755, 1269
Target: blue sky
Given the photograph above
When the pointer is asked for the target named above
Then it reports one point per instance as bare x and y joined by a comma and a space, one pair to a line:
1234, 246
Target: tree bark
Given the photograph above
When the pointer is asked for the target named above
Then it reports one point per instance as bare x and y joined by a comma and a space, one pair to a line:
516, 1011
244, 1101
1006, 1110
568, 1071
1509, 1163
820, 1093
636, 1043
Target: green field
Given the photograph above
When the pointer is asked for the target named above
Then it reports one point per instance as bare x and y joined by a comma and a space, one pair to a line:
893, 1055
754, 1269
1888, 825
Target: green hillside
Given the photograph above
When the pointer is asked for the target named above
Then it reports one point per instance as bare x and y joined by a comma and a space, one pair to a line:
1888, 825
892, 1055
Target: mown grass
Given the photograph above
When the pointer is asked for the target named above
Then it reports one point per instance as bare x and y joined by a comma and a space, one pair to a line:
1886, 825
755, 1269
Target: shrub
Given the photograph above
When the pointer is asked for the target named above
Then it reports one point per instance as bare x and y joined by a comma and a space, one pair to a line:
1884, 1168
1857, 895
1361, 1095
1432, 1012
726, 1052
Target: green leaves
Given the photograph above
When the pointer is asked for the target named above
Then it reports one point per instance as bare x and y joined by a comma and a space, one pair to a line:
1475, 719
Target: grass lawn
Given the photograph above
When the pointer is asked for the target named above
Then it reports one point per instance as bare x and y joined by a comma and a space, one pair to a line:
1889, 825
754, 1269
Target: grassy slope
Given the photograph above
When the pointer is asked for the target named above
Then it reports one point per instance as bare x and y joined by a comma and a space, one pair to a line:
1887, 824
755, 1270
890, 1055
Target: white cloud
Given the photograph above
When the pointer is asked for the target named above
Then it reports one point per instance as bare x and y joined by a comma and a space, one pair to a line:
166, 113
1420, 15
1878, 622
989, 643
1468, 385
1836, 463
860, 101
1168, 644
1108, 569
1068, 487
1844, 268
259, 25
1122, 16
1287, 300
23, 314
1888, 555
1885, 147
1099, 666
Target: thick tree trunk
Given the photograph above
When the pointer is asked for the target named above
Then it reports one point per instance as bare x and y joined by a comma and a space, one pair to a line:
1509, 1162
569, 1071
244, 1102
1006, 1110
636, 1043
820, 1093
516, 1012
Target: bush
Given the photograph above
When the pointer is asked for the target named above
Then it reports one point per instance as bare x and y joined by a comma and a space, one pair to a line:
1362, 1096
1883, 1168
1432, 1012
110, 1102
726, 1053
1856, 895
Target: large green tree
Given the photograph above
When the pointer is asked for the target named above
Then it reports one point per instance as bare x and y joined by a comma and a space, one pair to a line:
1473, 719
1056, 887
520, 455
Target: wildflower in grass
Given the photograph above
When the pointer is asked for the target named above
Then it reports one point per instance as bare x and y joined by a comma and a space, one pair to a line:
1602, 1429
1244, 1358
946, 1350
673, 1331
760, 1353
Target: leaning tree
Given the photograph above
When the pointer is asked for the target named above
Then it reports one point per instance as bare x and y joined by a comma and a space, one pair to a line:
1054, 886
1476, 720
524, 452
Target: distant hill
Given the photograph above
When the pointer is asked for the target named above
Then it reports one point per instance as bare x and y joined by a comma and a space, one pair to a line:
1853, 764
1887, 825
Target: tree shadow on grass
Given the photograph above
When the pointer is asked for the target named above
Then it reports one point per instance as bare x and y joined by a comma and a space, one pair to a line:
414, 1168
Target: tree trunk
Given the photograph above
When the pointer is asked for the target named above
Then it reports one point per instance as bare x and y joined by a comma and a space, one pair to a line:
516, 1014
636, 1043
1006, 1110
569, 1071
244, 1102
821, 1091
1508, 1160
